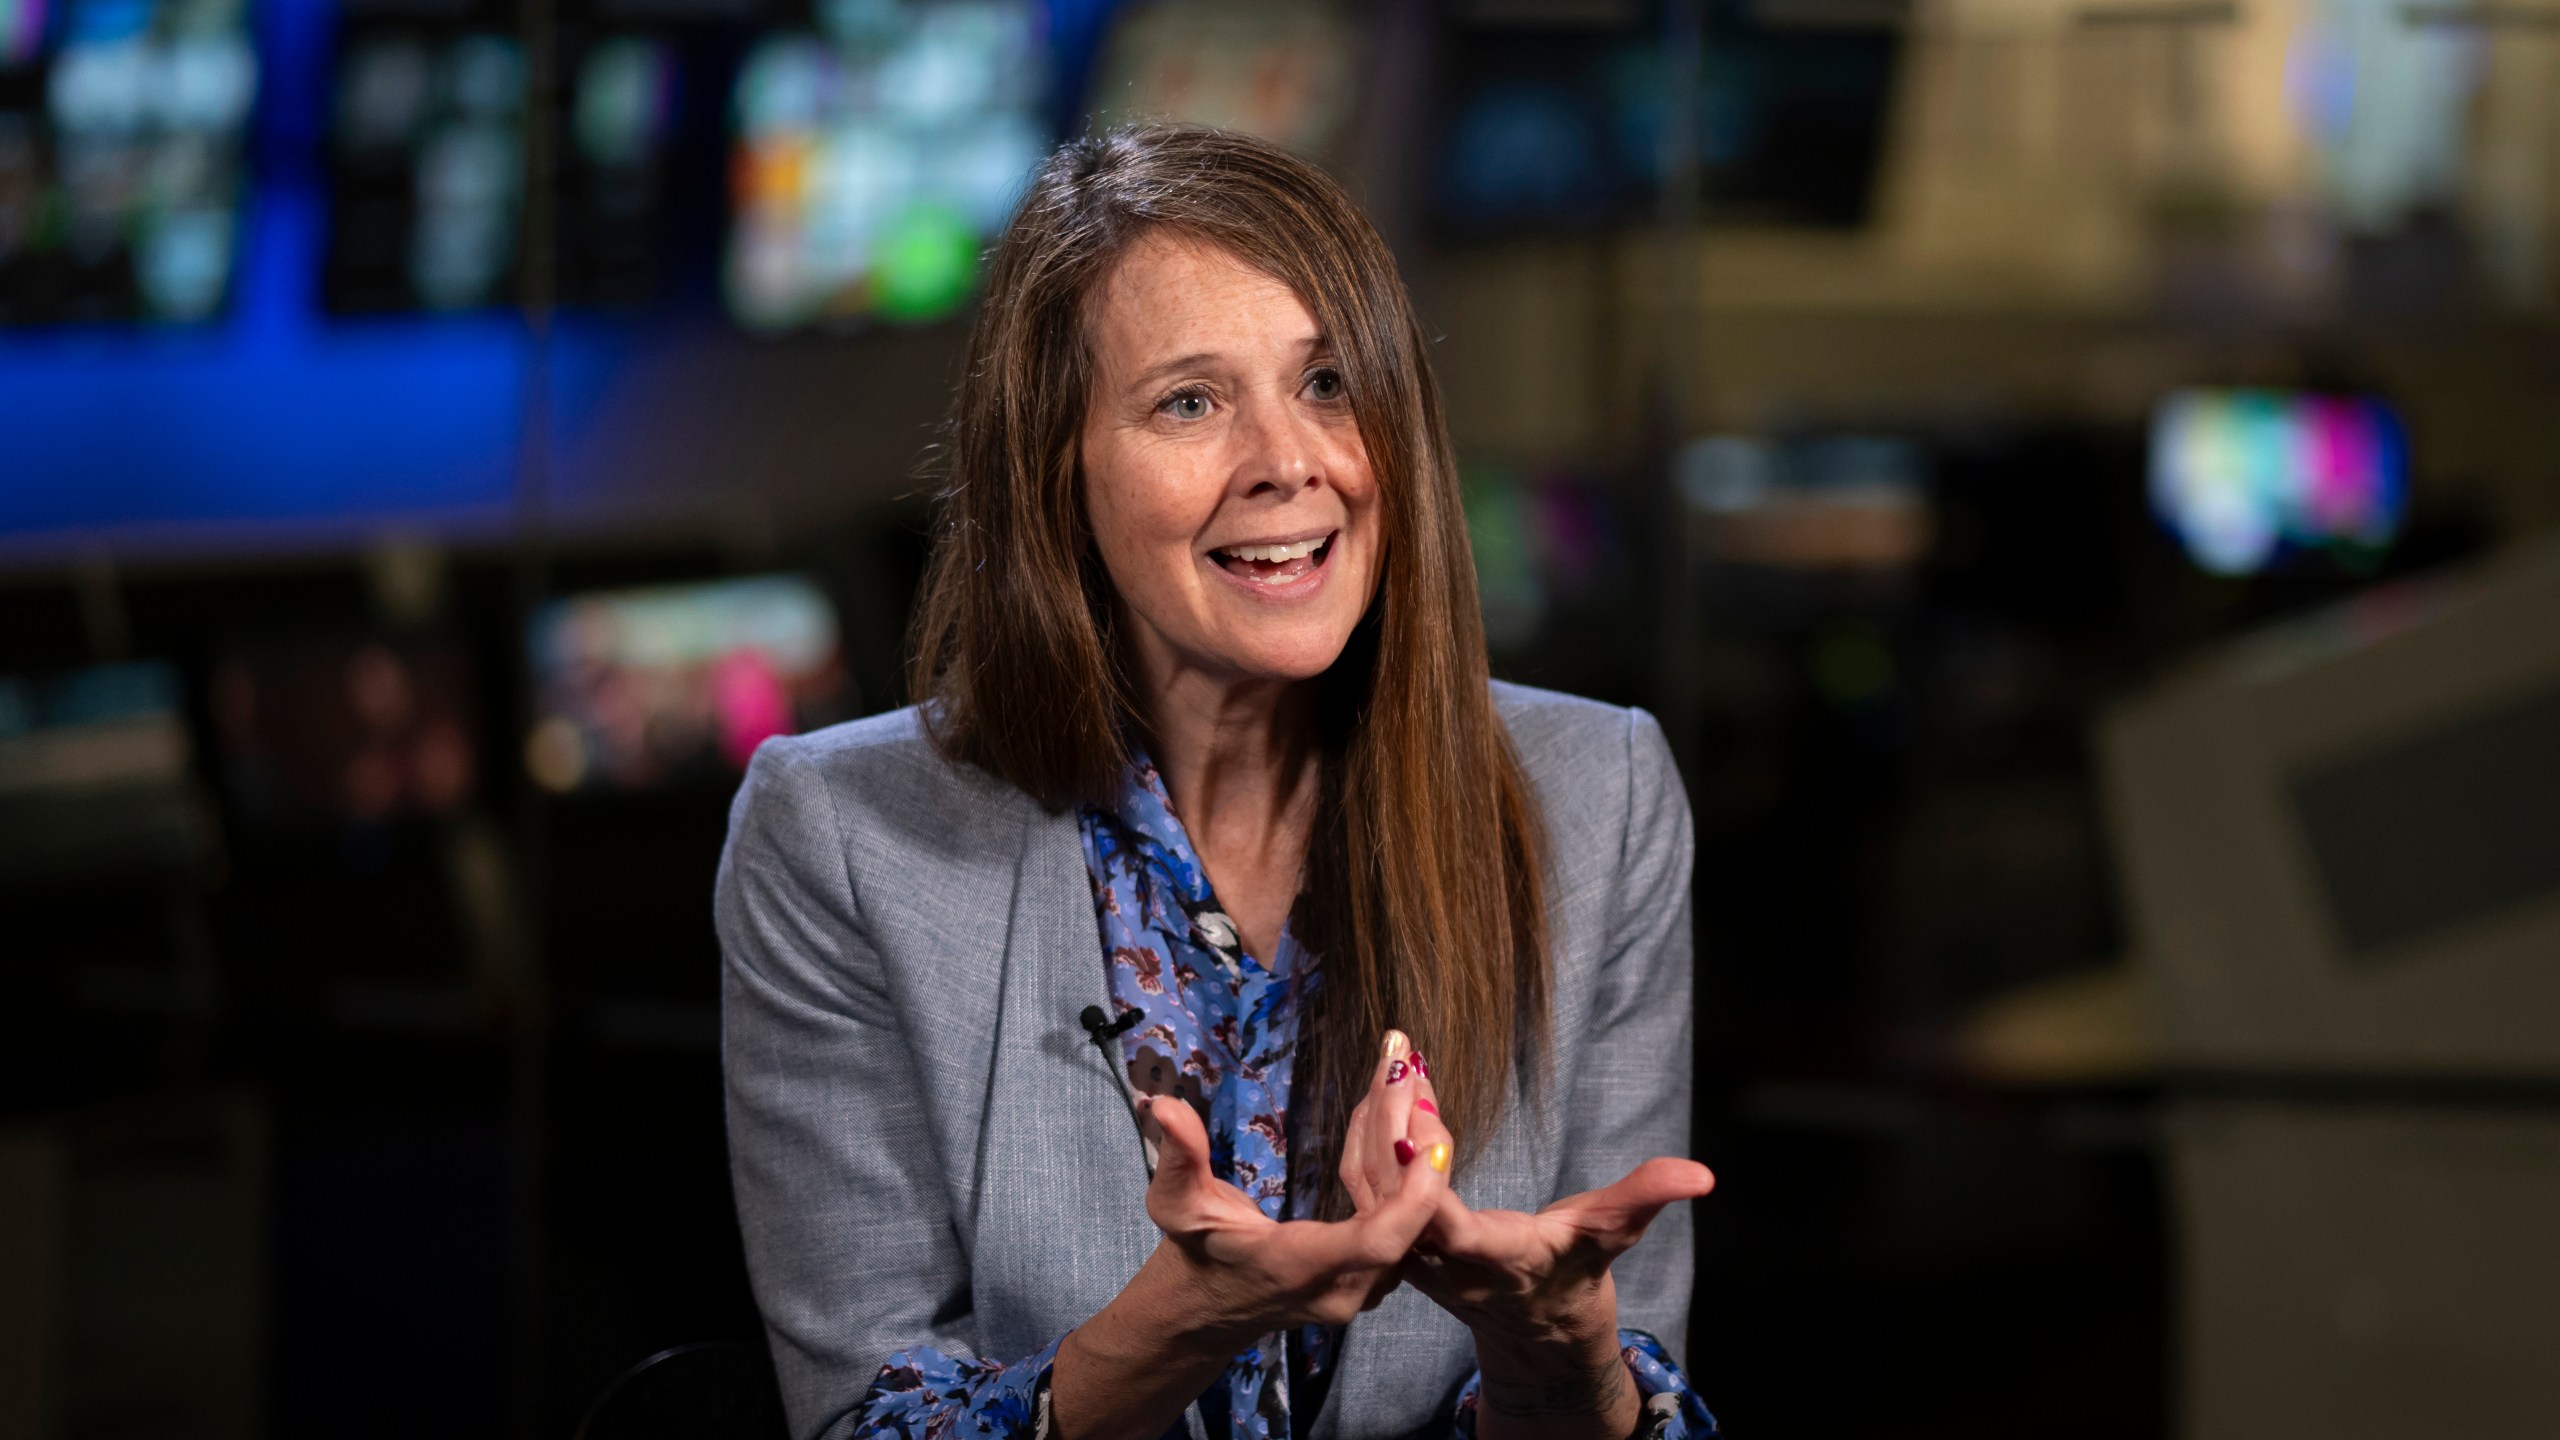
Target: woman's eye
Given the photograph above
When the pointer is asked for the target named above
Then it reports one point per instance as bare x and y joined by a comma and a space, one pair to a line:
1325, 385
1187, 407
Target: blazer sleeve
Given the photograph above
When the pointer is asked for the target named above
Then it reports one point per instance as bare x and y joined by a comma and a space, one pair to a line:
1629, 1100
849, 1239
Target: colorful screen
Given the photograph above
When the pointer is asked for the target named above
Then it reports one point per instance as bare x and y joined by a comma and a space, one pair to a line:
875, 157
2244, 477
637, 688
123, 128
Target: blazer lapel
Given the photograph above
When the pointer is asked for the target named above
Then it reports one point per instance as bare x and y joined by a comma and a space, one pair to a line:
1061, 1221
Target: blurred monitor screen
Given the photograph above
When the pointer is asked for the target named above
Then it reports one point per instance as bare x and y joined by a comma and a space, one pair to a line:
95, 773
357, 729
1550, 128
624, 105
122, 157
1281, 69
426, 161
639, 688
2248, 478
876, 154
427, 153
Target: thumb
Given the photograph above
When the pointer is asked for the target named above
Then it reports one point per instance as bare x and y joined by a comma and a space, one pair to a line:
1620, 1213
1182, 1157
1381, 1236
1387, 1232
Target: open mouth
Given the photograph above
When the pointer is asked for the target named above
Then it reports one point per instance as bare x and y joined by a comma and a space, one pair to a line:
1276, 564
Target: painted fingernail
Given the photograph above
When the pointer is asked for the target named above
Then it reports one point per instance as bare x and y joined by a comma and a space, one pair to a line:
1426, 1107
1421, 1066
1438, 1156
1404, 1152
1397, 1070
1397, 1046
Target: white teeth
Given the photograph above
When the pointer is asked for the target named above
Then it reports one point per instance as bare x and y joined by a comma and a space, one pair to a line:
1273, 553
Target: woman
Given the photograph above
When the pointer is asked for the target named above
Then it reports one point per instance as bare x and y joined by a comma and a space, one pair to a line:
1211, 813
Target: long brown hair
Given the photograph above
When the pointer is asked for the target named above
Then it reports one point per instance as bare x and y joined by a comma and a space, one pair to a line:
1423, 895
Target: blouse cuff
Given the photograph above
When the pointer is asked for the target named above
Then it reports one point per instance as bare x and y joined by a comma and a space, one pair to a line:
924, 1392
1670, 1407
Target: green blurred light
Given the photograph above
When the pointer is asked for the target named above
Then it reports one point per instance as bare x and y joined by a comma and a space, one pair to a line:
928, 264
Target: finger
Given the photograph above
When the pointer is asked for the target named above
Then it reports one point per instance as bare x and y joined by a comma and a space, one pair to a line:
1619, 1214
1390, 1102
1424, 1127
1353, 1166
1429, 1145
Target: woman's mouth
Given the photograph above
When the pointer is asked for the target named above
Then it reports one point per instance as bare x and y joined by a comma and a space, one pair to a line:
1276, 564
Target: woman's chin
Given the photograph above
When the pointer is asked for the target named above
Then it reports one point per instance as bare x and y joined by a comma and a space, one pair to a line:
1285, 657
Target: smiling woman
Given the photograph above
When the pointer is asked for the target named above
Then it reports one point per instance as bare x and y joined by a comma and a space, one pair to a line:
1207, 744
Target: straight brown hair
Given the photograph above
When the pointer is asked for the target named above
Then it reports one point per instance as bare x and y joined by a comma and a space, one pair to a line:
1423, 898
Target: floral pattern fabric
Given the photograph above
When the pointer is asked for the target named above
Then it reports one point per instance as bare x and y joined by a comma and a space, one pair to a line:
924, 1394
1219, 1029
1672, 1409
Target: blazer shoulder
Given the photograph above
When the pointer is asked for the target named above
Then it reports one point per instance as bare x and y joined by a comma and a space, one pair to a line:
1569, 740
887, 784
1603, 773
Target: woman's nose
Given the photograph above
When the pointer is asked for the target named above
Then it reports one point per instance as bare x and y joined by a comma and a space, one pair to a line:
1280, 450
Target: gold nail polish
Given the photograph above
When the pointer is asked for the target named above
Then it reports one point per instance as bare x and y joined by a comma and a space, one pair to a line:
1437, 1157
1397, 1046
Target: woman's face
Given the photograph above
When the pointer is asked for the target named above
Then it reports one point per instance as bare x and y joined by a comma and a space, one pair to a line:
1224, 477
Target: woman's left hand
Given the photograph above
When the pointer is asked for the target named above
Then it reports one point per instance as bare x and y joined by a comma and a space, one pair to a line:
1534, 1289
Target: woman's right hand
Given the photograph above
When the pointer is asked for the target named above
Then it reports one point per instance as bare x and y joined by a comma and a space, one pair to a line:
1261, 1275
1224, 1276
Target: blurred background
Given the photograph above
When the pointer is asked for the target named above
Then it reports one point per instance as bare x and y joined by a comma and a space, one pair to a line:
2077, 481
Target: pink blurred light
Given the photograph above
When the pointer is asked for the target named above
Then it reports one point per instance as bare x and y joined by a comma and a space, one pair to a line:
752, 702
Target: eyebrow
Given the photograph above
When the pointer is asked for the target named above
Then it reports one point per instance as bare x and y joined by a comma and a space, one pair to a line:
1312, 345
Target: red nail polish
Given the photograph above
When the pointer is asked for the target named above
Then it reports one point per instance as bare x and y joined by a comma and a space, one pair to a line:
1404, 1152
1421, 1066
1426, 1107
1396, 1071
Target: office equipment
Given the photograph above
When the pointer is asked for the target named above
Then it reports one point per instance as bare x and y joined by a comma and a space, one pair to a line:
876, 155
640, 688
2251, 478
123, 157
2341, 838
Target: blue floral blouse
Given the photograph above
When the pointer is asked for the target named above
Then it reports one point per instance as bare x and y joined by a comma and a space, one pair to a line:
1220, 1030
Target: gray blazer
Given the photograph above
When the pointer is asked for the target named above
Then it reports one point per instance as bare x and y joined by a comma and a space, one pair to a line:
928, 1150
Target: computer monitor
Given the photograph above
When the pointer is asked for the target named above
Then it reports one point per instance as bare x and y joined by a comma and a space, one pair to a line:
427, 160
638, 689
1551, 124
124, 130
1288, 72
876, 154
2248, 479
2340, 838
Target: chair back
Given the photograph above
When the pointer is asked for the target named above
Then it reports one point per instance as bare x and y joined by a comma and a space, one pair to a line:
713, 1390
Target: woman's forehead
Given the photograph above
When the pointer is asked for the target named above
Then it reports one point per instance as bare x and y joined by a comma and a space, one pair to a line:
1173, 297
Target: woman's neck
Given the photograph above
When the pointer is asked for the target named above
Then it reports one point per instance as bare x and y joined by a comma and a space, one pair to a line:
1239, 760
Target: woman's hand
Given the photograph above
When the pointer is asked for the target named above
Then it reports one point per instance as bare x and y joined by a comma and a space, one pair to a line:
1254, 1275
1534, 1289
1224, 1276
